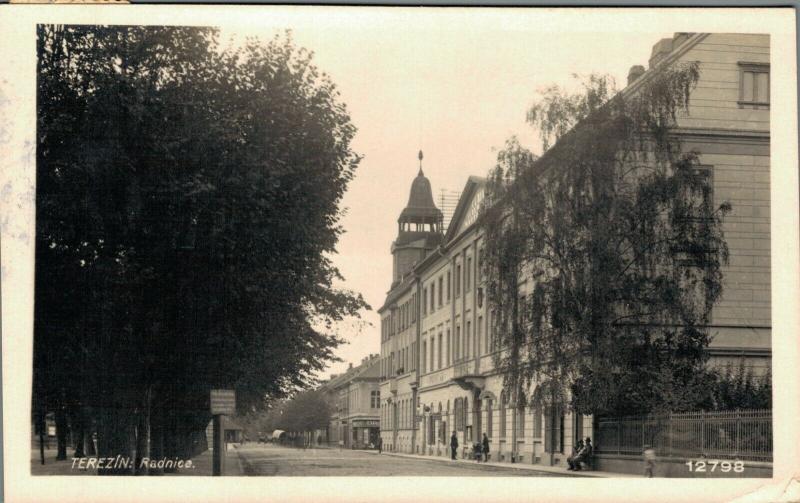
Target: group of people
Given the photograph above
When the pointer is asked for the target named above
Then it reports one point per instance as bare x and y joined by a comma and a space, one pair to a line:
479, 449
581, 453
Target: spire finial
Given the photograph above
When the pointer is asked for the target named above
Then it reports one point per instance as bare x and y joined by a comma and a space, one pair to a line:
420, 163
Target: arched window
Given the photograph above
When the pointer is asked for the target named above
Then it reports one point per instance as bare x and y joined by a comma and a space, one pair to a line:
502, 414
537, 418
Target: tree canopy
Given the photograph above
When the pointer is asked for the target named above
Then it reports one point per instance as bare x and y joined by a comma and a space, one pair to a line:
604, 256
188, 200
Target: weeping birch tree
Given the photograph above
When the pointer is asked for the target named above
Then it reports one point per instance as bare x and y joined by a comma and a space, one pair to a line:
604, 257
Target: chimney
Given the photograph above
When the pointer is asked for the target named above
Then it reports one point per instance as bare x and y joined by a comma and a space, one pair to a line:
635, 72
660, 50
679, 38
351, 366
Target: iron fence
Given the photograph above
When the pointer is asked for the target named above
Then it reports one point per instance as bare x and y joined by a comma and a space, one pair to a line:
737, 435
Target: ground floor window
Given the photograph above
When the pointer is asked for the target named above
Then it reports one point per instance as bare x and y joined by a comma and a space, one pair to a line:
554, 431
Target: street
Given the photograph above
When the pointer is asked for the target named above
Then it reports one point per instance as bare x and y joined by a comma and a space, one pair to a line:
269, 459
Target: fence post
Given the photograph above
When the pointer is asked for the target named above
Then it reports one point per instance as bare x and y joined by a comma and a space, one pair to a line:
644, 427
669, 434
702, 432
738, 432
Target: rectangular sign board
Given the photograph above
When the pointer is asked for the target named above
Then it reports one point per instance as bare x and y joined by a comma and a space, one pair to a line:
223, 401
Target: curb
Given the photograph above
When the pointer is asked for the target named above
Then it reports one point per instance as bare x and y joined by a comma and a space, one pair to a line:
512, 466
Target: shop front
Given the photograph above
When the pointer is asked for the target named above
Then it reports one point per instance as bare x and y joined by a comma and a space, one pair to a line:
365, 433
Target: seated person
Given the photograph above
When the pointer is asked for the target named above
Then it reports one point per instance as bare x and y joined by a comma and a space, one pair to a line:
576, 450
585, 455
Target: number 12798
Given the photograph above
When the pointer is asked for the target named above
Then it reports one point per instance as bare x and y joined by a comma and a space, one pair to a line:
712, 465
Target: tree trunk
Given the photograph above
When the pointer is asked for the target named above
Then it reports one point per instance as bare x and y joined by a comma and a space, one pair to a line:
42, 433
79, 427
156, 438
142, 437
115, 441
61, 433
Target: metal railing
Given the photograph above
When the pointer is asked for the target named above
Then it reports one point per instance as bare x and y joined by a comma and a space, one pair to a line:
736, 435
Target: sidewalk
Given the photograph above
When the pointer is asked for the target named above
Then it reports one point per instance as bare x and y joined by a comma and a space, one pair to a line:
513, 466
201, 465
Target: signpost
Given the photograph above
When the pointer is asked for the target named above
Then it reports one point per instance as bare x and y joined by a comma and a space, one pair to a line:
223, 402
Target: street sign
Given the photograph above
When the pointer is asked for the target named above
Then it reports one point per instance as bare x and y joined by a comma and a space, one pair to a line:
223, 401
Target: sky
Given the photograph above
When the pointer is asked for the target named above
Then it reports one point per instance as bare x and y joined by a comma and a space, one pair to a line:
453, 83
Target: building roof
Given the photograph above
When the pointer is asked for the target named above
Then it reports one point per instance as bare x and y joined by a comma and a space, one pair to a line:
420, 205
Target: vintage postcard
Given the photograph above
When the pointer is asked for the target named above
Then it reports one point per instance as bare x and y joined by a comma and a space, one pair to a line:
327, 253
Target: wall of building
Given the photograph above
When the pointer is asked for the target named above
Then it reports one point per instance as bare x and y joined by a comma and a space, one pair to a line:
733, 140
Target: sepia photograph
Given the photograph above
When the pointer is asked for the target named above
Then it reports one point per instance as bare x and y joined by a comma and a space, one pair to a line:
401, 242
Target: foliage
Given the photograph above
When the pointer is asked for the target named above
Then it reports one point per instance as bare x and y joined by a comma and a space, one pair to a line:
604, 256
739, 388
306, 411
188, 200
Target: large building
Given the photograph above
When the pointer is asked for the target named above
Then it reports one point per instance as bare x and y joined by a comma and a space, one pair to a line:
436, 363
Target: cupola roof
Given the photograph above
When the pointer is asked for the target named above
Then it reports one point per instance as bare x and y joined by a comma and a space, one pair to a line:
420, 205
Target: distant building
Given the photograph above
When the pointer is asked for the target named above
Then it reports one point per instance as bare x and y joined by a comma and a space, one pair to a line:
436, 367
355, 404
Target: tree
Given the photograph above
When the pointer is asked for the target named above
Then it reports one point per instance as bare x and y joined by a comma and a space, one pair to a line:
187, 205
739, 388
614, 229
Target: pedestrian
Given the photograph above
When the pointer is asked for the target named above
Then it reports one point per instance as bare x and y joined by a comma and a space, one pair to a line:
453, 446
485, 448
649, 461
476, 451
380, 445
576, 450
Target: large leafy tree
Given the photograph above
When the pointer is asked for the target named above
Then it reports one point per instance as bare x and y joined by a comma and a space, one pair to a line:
613, 236
187, 205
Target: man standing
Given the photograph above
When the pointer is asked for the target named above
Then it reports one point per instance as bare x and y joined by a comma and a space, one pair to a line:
380, 445
453, 446
485, 448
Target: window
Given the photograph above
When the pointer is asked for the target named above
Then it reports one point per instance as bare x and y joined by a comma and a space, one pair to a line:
441, 282
537, 419
375, 399
458, 406
468, 275
424, 301
479, 333
433, 296
693, 253
502, 414
468, 339
424, 355
554, 433
413, 308
457, 347
447, 347
448, 286
458, 280
439, 352
753, 85
489, 413
521, 422
433, 340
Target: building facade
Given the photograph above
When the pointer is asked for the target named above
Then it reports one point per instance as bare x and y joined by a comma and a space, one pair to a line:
436, 363
355, 404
